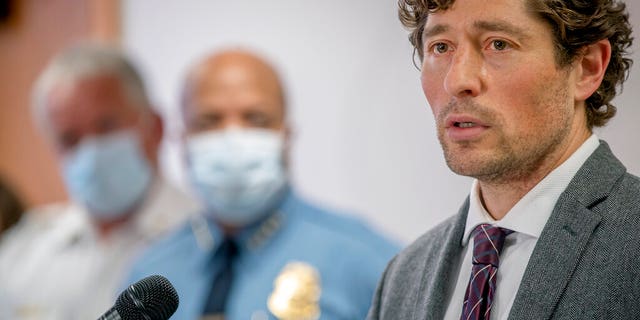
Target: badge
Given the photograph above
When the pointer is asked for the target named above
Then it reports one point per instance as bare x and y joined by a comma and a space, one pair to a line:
296, 293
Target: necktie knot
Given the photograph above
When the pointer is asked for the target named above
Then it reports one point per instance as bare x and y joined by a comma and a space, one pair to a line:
488, 241
227, 250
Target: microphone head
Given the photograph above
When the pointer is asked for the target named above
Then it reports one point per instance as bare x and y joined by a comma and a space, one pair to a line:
152, 298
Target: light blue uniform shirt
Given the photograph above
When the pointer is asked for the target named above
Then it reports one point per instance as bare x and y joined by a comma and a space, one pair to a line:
348, 257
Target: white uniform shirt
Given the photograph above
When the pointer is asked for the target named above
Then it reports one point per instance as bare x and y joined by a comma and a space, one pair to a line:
54, 266
527, 218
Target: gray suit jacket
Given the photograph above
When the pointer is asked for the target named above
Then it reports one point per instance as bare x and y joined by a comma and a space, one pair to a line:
586, 263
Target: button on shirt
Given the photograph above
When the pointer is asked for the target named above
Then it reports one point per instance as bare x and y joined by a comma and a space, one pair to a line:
348, 257
54, 266
527, 218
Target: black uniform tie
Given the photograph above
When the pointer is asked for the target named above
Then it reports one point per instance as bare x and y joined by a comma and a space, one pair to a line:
222, 280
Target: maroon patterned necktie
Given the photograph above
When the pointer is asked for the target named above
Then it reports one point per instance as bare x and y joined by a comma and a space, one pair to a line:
487, 244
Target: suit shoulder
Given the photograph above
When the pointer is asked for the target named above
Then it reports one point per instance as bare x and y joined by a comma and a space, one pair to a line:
425, 245
403, 283
625, 197
631, 183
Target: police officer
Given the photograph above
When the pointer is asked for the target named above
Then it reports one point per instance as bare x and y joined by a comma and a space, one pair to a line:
66, 260
261, 252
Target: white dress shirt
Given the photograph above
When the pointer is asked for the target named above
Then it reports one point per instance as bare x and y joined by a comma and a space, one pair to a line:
527, 218
53, 265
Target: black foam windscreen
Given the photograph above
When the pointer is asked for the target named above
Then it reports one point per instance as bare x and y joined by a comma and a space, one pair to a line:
152, 298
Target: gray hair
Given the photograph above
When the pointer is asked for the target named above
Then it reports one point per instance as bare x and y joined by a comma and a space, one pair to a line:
84, 61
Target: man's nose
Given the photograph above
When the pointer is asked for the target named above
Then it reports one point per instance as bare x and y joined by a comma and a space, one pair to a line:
465, 75
233, 122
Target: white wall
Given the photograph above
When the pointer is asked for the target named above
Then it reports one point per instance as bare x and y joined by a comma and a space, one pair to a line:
364, 136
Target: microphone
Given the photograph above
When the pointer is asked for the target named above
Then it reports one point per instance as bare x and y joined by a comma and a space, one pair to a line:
152, 298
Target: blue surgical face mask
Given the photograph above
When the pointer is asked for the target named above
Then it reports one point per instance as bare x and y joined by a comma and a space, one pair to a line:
238, 173
108, 174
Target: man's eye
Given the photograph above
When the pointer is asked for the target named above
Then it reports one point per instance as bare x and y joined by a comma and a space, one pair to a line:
67, 141
205, 122
499, 45
440, 48
257, 120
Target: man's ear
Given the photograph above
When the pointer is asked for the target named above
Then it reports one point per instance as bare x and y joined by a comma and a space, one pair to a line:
153, 132
158, 126
591, 66
287, 137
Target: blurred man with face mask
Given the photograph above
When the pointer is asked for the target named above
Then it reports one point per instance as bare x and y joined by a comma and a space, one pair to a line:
67, 261
261, 252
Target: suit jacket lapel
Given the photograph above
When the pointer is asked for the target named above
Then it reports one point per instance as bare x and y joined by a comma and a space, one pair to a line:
565, 236
441, 272
553, 260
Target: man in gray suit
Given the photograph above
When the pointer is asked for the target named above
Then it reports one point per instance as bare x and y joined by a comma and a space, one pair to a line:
551, 227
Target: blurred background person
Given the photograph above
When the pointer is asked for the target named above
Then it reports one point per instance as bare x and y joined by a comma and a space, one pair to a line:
261, 251
350, 89
67, 260
11, 207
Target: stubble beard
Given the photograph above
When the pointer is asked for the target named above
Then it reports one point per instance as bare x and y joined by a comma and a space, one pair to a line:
509, 158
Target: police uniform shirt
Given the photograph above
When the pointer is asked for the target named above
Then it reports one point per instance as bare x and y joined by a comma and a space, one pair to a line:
325, 263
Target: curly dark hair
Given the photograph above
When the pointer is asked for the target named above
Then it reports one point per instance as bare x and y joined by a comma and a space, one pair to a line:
575, 23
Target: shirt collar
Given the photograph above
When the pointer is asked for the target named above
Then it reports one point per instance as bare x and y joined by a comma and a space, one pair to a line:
163, 208
250, 238
530, 214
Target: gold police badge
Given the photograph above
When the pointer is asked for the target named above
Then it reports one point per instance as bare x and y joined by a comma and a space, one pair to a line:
296, 293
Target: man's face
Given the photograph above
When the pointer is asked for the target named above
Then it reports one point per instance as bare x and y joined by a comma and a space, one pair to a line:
95, 106
501, 103
235, 137
230, 94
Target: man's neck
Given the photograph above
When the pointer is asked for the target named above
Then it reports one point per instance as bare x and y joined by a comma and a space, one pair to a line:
498, 199
106, 228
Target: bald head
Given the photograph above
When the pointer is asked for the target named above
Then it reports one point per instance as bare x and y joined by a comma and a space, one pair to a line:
233, 88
